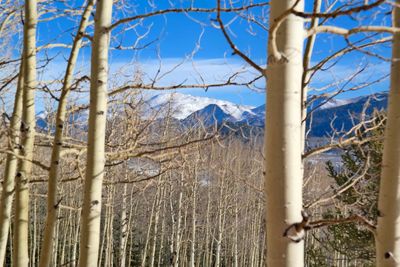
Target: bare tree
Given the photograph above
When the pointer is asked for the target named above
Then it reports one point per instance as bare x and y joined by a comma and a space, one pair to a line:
90, 229
11, 167
387, 238
21, 220
283, 171
52, 201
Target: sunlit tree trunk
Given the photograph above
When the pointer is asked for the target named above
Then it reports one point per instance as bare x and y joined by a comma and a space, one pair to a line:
207, 246
124, 229
21, 219
388, 231
156, 219
90, 229
283, 177
193, 233
149, 227
33, 237
220, 219
108, 227
10, 168
133, 209
163, 219
52, 201
178, 230
74, 258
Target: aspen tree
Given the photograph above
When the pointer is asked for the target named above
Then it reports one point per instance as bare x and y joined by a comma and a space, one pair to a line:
52, 201
207, 255
33, 238
160, 189
149, 227
388, 230
90, 229
10, 168
21, 219
220, 218
178, 225
123, 238
194, 202
163, 219
283, 177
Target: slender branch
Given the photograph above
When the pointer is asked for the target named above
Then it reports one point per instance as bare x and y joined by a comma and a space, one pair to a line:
185, 10
338, 13
232, 45
347, 32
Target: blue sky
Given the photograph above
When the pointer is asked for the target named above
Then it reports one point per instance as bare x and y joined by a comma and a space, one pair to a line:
194, 44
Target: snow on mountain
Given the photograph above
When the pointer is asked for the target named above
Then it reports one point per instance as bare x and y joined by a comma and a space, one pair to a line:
42, 115
208, 116
335, 103
328, 102
78, 119
42, 119
191, 110
256, 117
182, 105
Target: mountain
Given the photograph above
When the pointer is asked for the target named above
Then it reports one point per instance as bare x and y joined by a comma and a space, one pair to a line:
190, 111
256, 117
42, 119
78, 119
343, 117
208, 116
325, 102
342, 114
181, 106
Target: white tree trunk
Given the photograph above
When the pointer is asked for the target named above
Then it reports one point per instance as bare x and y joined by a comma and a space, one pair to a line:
11, 168
388, 231
124, 228
283, 148
21, 219
52, 201
90, 229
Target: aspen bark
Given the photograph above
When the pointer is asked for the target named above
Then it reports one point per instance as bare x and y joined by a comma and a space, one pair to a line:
221, 216
123, 238
148, 235
33, 238
193, 233
52, 201
156, 219
283, 173
388, 231
10, 168
207, 247
74, 258
21, 219
163, 219
178, 231
90, 229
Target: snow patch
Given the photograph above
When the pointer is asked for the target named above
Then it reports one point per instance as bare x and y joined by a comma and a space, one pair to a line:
180, 106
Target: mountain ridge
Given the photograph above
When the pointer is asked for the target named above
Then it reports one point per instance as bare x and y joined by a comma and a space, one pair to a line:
324, 112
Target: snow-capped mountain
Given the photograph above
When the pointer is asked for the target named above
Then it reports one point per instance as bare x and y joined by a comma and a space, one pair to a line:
191, 110
256, 117
181, 106
45, 118
326, 102
41, 119
343, 117
210, 115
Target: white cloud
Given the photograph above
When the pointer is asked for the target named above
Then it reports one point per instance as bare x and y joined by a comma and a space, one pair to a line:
167, 72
